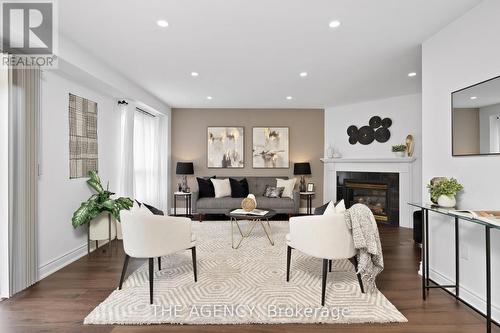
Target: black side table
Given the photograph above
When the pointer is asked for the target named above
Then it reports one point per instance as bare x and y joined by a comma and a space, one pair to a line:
187, 199
309, 196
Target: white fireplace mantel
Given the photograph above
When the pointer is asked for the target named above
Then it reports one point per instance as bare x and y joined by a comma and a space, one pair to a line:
401, 165
369, 160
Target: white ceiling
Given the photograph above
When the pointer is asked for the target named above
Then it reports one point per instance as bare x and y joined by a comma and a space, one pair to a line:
249, 53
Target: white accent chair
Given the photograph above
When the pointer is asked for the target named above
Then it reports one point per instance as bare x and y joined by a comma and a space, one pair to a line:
322, 236
153, 236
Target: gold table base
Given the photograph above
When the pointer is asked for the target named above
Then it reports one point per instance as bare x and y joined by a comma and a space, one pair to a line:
253, 223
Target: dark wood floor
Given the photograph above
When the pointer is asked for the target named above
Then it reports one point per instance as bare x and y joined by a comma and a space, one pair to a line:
59, 302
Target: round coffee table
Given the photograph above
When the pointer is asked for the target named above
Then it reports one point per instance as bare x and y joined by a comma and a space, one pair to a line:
254, 220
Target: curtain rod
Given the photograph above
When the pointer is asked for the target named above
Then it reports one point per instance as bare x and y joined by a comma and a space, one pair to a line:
146, 112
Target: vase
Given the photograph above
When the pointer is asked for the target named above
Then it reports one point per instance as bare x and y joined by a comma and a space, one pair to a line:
447, 201
329, 152
399, 153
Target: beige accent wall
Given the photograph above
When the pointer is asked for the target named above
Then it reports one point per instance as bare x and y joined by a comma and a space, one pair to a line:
189, 141
466, 139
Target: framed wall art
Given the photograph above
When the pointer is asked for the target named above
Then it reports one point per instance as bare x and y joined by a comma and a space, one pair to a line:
225, 147
270, 149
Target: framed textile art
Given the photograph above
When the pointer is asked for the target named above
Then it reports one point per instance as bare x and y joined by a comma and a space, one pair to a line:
83, 152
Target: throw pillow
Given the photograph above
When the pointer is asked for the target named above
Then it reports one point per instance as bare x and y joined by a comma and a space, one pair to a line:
335, 209
205, 188
274, 192
222, 187
154, 210
321, 209
143, 210
239, 188
288, 185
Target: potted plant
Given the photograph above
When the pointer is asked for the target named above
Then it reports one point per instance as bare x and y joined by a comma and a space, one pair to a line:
444, 192
98, 203
399, 150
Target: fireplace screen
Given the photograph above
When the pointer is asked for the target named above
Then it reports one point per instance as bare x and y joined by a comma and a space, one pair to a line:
375, 196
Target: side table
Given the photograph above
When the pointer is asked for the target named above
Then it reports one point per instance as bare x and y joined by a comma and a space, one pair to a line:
309, 196
187, 199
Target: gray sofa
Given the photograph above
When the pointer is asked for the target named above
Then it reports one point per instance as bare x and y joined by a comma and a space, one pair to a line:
256, 186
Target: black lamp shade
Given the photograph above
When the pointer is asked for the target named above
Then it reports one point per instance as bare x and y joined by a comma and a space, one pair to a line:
302, 168
184, 168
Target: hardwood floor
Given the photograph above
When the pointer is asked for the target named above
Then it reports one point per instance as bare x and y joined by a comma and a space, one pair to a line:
59, 302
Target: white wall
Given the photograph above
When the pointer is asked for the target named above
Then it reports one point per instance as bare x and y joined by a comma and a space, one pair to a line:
463, 53
4, 180
405, 112
59, 196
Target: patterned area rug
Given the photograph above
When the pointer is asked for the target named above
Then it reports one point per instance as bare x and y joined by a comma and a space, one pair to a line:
242, 286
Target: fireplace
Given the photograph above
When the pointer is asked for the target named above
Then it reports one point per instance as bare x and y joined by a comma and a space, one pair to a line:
377, 190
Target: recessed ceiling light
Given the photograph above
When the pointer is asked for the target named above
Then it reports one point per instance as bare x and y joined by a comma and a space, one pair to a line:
209, 97
195, 74
473, 97
289, 97
303, 74
334, 24
162, 23
412, 74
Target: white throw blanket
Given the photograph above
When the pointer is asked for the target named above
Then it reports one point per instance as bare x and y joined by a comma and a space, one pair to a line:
360, 220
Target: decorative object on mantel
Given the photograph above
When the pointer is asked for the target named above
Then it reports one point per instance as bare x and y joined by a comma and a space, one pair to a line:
378, 130
249, 203
410, 145
444, 190
329, 151
302, 169
399, 150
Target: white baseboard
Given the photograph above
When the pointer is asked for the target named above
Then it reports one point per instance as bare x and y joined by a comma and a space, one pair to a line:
467, 295
64, 260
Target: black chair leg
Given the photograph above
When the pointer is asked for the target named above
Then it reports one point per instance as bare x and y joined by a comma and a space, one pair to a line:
288, 260
323, 284
159, 263
124, 270
193, 254
330, 266
151, 273
354, 262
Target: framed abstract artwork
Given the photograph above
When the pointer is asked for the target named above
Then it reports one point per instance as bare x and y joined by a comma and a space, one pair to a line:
271, 147
225, 147
83, 152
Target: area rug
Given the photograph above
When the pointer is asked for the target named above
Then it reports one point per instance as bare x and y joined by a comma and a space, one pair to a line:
242, 286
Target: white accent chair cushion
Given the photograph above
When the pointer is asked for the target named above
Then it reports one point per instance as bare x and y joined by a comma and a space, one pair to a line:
222, 187
288, 185
317, 236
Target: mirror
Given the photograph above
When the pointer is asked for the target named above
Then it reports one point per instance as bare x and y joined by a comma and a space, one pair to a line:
476, 119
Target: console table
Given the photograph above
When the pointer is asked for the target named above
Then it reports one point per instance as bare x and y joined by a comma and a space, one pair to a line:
425, 254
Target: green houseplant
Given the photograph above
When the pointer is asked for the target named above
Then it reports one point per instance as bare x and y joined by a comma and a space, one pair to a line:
98, 203
444, 191
399, 150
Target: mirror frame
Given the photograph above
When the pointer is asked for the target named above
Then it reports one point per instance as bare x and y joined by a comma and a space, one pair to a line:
451, 112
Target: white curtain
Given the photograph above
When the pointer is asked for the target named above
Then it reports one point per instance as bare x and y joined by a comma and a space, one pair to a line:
144, 156
146, 159
126, 186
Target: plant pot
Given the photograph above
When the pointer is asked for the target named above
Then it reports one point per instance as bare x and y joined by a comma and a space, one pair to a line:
447, 201
99, 227
399, 153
